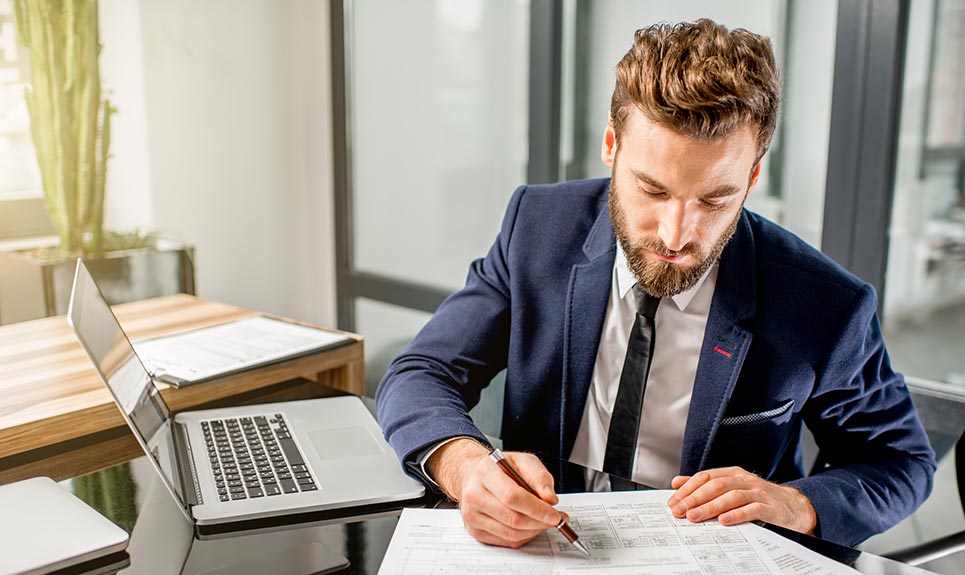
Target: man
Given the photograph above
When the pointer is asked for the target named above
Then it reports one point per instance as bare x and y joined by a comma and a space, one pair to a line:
652, 328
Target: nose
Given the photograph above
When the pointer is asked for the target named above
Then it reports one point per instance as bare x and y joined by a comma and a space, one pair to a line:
676, 226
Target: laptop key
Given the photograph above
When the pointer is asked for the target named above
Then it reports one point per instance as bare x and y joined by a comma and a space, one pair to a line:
309, 487
237, 496
288, 486
291, 451
223, 497
305, 480
299, 467
255, 492
272, 489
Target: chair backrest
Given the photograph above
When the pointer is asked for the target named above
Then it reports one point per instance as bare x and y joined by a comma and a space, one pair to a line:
960, 468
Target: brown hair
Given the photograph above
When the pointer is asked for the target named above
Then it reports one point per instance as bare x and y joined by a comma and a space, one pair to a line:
700, 80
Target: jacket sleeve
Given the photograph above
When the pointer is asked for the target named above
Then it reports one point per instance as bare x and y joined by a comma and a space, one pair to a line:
879, 463
427, 392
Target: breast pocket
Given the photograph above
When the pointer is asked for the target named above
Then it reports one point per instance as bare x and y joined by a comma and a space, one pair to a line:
757, 422
756, 441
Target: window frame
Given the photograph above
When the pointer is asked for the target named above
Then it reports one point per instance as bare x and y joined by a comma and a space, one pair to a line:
24, 216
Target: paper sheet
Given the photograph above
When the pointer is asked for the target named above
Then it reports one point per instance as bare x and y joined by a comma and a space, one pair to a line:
205, 353
795, 559
627, 533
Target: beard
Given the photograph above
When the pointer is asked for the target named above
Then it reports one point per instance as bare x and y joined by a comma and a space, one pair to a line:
660, 278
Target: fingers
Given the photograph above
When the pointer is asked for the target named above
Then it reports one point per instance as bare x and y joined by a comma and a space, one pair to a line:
535, 474
733, 495
502, 499
709, 493
497, 511
492, 532
718, 496
686, 486
754, 511
676, 482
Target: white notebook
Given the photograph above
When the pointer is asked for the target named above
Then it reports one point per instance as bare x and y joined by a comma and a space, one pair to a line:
45, 528
201, 354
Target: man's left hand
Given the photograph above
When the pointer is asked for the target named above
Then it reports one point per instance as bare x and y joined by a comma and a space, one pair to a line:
732, 496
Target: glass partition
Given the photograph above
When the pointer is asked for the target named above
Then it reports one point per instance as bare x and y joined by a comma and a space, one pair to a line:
791, 188
924, 301
438, 122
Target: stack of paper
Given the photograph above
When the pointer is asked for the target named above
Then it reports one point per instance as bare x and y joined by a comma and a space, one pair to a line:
202, 354
630, 532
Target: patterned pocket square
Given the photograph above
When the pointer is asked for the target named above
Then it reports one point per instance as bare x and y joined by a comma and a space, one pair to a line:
757, 417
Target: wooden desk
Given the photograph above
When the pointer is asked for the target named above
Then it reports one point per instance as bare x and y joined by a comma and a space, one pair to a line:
58, 419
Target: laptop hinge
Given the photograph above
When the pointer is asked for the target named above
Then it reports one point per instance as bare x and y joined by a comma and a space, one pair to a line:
182, 450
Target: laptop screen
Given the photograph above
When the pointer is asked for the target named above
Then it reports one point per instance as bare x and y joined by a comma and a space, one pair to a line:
132, 387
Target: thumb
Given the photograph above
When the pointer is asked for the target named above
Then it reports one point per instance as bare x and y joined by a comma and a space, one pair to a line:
535, 475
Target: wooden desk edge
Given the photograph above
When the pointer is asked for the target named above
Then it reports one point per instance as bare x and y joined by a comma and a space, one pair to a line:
23, 444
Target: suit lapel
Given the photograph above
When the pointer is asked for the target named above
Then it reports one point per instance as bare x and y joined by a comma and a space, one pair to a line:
586, 300
724, 347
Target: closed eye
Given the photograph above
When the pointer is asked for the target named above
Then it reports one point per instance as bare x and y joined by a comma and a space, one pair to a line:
713, 206
651, 192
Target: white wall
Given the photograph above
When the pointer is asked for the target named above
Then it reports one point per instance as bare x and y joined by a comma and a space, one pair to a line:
128, 203
223, 141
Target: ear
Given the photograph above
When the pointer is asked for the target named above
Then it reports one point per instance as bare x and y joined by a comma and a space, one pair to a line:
608, 151
755, 175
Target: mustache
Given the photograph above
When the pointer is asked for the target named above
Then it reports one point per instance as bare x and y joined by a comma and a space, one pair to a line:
659, 247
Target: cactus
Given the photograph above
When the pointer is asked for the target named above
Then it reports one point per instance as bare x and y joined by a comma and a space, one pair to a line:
69, 120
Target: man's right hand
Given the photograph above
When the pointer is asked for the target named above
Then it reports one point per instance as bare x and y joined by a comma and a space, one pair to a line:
494, 508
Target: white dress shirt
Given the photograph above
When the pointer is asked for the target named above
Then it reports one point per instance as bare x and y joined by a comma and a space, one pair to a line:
680, 324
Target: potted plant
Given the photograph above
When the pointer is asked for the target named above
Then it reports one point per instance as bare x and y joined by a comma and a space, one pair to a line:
70, 121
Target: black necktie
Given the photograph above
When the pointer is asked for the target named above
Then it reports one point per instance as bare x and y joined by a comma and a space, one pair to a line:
621, 443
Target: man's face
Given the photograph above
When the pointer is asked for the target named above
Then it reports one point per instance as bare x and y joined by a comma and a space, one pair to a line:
675, 201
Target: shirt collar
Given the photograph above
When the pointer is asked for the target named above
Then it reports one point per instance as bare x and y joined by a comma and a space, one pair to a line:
626, 281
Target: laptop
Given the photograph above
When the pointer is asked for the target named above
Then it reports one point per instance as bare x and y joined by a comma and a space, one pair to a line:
48, 530
247, 467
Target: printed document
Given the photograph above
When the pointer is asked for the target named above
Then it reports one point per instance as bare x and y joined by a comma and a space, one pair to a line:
629, 532
201, 354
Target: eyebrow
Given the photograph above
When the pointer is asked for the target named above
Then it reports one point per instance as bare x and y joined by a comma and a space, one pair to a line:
718, 193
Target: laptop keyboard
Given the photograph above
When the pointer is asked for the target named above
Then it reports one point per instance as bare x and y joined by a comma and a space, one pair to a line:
255, 457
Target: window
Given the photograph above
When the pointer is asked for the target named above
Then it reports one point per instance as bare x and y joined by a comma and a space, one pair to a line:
924, 299
22, 210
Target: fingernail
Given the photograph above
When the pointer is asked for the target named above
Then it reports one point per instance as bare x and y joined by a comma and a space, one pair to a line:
679, 509
695, 515
552, 518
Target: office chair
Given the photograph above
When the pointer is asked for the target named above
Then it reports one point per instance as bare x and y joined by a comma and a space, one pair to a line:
944, 546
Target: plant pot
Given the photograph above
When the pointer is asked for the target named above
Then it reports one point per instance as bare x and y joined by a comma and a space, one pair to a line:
32, 288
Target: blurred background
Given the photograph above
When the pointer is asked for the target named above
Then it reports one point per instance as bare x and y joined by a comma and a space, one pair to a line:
342, 162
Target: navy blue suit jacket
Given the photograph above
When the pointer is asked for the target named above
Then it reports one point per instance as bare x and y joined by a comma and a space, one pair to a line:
792, 338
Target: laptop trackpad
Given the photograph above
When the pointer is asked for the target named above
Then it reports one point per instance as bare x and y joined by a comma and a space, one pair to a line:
343, 442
